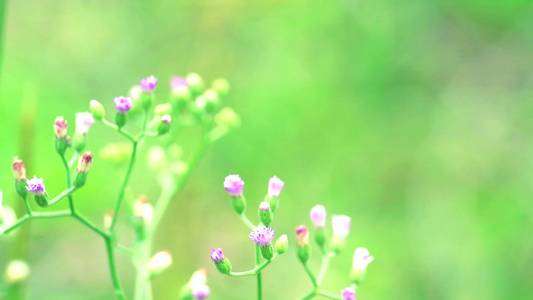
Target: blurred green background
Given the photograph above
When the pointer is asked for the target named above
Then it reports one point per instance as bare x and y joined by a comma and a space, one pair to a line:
412, 117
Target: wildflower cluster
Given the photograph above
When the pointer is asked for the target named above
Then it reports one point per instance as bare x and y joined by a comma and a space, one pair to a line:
189, 104
330, 246
262, 235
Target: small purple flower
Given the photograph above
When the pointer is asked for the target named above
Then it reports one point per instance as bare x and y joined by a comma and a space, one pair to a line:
318, 216
361, 258
262, 236
148, 84
167, 119
35, 186
84, 121
348, 294
216, 255
123, 104
177, 83
200, 291
264, 206
341, 226
275, 185
234, 185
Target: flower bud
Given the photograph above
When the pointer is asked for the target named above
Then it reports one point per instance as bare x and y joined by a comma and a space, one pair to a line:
263, 237
148, 84
159, 262
361, 260
200, 291
302, 241
275, 185
282, 244
19, 172
84, 121
123, 105
348, 294
265, 214
164, 126
196, 83
97, 109
60, 131
36, 187
234, 186
341, 228
228, 118
221, 262
82, 170
16, 271
181, 94
318, 216
212, 101
221, 86
108, 219
163, 109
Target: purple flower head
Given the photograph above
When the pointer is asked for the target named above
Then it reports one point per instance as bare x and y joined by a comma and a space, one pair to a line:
177, 83
262, 236
234, 185
167, 119
275, 185
84, 121
318, 216
348, 294
35, 186
361, 258
200, 291
123, 104
341, 226
264, 206
148, 84
216, 255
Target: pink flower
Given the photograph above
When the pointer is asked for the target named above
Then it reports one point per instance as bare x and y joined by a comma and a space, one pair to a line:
234, 185
341, 226
275, 185
361, 258
148, 84
318, 216
348, 294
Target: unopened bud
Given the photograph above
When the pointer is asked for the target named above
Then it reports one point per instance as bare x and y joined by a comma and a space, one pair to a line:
164, 126
19, 172
60, 132
16, 271
159, 262
361, 260
163, 109
302, 241
265, 214
221, 262
196, 83
234, 186
212, 100
341, 229
221, 86
82, 170
97, 109
108, 219
228, 118
282, 244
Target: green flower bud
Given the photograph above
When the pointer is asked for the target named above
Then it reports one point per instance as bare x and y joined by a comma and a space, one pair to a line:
164, 126
224, 266
282, 244
83, 169
265, 214
273, 201
97, 109
228, 118
320, 237
212, 101
79, 141
163, 109
180, 98
221, 86
302, 241
267, 252
120, 119
337, 244
239, 204
146, 100
196, 83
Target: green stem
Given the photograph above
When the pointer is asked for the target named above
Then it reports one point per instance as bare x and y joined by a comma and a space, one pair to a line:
45, 215
73, 160
324, 267
119, 293
89, 224
254, 271
313, 279
124, 185
123, 249
17, 224
247, 221
27, 206
124, 133
258, 261
309, 295
61, 196
67, 172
